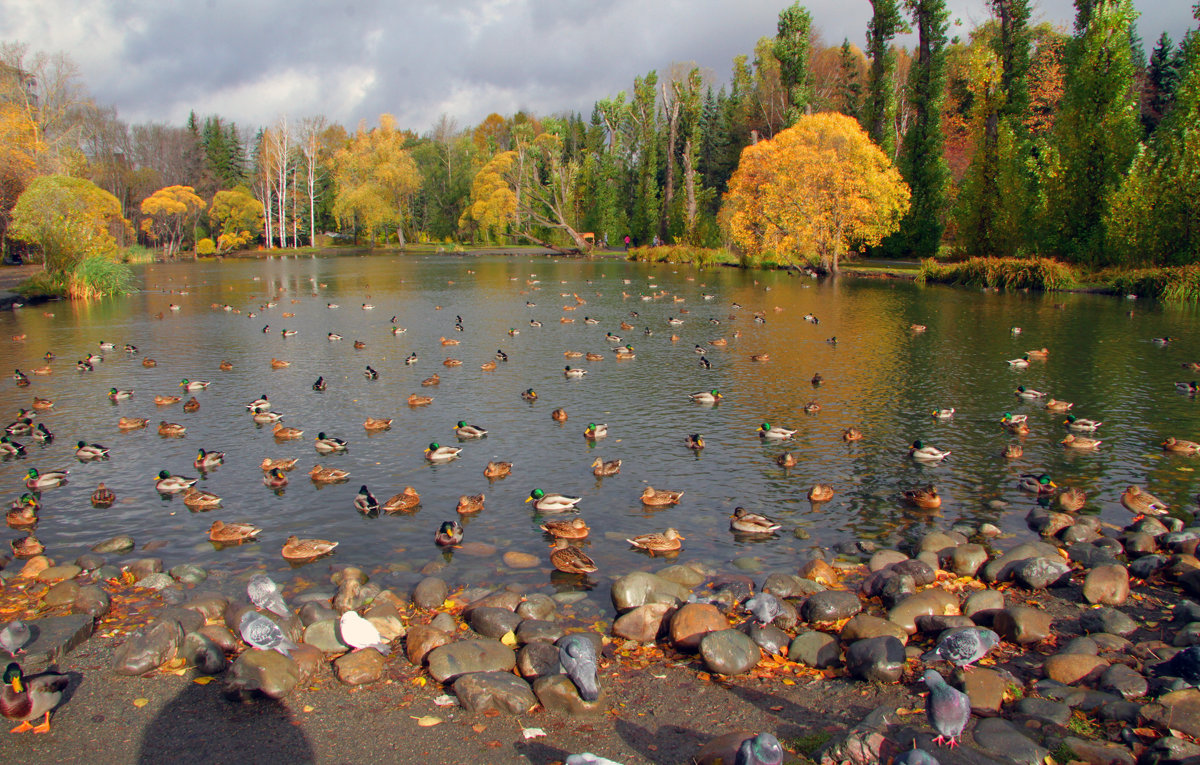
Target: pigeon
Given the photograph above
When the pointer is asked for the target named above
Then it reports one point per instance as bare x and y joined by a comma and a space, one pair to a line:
765, 607
266, 594
587, 758
14, 636
358, 633
578, 658
963, 646
948, 709
741, 748
260, 632
1185, 665
915, 757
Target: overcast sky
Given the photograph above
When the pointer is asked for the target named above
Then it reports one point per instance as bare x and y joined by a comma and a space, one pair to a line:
252, 61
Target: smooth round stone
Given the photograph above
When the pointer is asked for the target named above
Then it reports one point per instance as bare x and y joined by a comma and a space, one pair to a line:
1090, 556
106, 572
1110, 643
785, 585
692, 622
148, 648
59, 573
1147, 565
220, 635
863, 626
536, 660
1177, 710
156, 581
118, 544
994, 734
388, 625
516, 559
421, 639
985, 687
683, 575
931, 602
203, 653
504, 599
729, 652
1099, 751
93, 601
1121, 711
788, 617
1023, 625
347, 574
1137, 543
537, 606
256, 671
1080, 532
533, 630
210, 605
939, 543
89, 562
1044, 711
495, 690
313, 612
469, 656
61, 594
830, 606
558, 695
324, 597
1107, 585
896, 587
989, 530
982, 606
569, 598
884, 558
325, 636
748, 563
143, 567
173, 596
819, 650
967, 559
444, 622
1107, 620
188, 574
769, 638
638, 588
359, 667
492, 622
1071, 668
643, 624
1002, 568
430, 593
1040, 573
477, 549
818, 570
934, 624
1124, 682
1082, 644
922, 572
876, 660
190, 621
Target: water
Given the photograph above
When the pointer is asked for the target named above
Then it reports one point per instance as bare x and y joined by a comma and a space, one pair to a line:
880, 376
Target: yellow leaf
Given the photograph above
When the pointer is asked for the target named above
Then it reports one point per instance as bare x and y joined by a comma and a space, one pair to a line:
447, 604
308, 708
788, 682
419, 681
509, 639
139, 703
428, 721
203, 680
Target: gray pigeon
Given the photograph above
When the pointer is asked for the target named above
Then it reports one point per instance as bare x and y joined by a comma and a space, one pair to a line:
14, 636
1184, 665
915, 757
587, 758
260, 632
266, 594
765, 607
763, 749
963, 646
578, 658
948, 709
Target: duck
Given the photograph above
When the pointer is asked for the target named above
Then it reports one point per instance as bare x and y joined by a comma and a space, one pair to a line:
225, 366
333, 337
120, 394
232, 533
469, 504
694, 441
23, 513
320, 474
600, 468
365, 501
463, 430
41, 404
22, 379
452, 362
569, 559
411, 359
275, 478
495, 470
447, 341
27, 699
166, 483
414, 400
370, 373
1190, 388
403, 502
1073, 441
919, 451
1037, 484
304, 550
319, 385
752, 523
786, 460
943, 414
42, 434
529, 394
488, 366
285, 464
668, 541
191, 405
501, 355
1054, 405
1038, 353
1008, 418
449, 534
593, 356
27, 547
559, 415
377, 423
437, 453
208, 460
1013, 452
85, 452
132, 423
575, 528
1072, 500
1017, 427
573, 374
660, 497
552, 503
187, 384
706, 396
776, 433
1020, 363
282, 432
594, 431
812, 407
762, 357
22, 427
431, 381
35, 481
1181, 446
167, 400
11, 448
286, 332
329, 444
918, 327
1028, 393
1080, 424
925, 497
852, 434
171, 429
1143, 503
820, 492
279, 363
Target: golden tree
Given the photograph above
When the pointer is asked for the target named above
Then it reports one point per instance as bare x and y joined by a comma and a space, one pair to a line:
818, 191
169, 212
19, 151
376, 178
236, 216
68, 219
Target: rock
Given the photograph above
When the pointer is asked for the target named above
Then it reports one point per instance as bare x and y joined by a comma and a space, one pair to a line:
220, 634
884, 558
203, 653
52, 637
350, 596
1178, 710
144, 567
477, 549
325, 636
862, 626
921, 572
117, 544
501, 691
89, 562
148, 648
896, 588
210, 605
188, 574
830, 606
387, 624
1071, 668
256, 671
819, 650
1107, 585
1124, 682
1042, 572
1003, 568
309, 661
817, 570
155, 581
998, 736
1121, 711
789, 586
1023, 625
864, 744
515, 559
359, 667
878, 660
59, 573
1148, 565
470, 656
534, 630
729, 652
930, 602
189, 621
313, 612
638, 588
939, 543
685, 576
985, 687
935, 624
644, 623
1082, 644
769, 638
967, 559
504, 599
1099, 752
349, 574
421, 639
444, 622
61, 594
493, 622
692, 621
430, 593
1171, 750
537, 606
536, 660
983, 605
35, 566
92, 601
1043, 711
560, 696
1107, 620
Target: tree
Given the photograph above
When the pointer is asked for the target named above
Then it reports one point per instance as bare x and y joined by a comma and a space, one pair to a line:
376, 179
50, 92
879, 111
68, 219
819, 190
19, 152
170, 213
236, 217
311, 130
851, 65
793, 53
1013, 46
1166, 69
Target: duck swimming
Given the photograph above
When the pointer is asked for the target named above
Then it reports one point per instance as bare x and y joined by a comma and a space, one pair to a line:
463, 430
403, 502
922, 453
746, 522
768, 431
552, 503
437, 453
166, 483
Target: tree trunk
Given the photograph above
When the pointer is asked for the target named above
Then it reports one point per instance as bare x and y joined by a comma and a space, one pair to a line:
669, 190
689, 182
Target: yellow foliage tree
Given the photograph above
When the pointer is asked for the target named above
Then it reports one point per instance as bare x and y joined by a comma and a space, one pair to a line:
236, 216
68, 219
376, 179
19, 150
818, 191
170, 212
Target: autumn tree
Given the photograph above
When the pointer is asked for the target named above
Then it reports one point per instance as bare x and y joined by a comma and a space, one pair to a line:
19, 152
879, 111
68, 220
376, 179
819, 191
170, 213
236, 217
793, 53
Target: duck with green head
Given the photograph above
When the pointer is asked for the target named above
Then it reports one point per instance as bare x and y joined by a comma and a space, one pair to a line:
438, 453
552, 503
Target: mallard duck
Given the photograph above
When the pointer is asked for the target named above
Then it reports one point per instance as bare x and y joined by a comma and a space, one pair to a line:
232, 533
852, 434
194, 384
497, 469
377, 423
196, 499
275, 478
1073, 441
23, 512
594, 431
167, 400
319, 385
719, 342
41, 404
924, 497
414, 400
1028, 393
694, 441
35, 481
1017, 427
573, 374
820, 492
132, 423
1081, 424
529, 394
27, 547
260, 404
437, 453
1141, 502
706, 396
463, 430
575, 528
1037, 484
280, 464
42, 434
746, 522
304, 550
431, 381
786, 460
329, 444
917, 327
943, 414
559, 415
1013, 451
208, 460
501, 355
370, 373
85, 452
1054, 405
226, 366
452, 363
1008, 418
812, 407
1072, 500
43, 371
922, 453
411, 359
569, 559
171, 429
592, 356
22, 379
118, 394
22, 427
403, 502
11, 448
552, 503
668, 541
760, 357
284, 433
1190, 388
1020, 363
279, 363
449, 534
488, 366
447, 341
660, 497
166, 483
600, 468
320, 474
191, 405
469, 504
27, 699
1039, 353
774, 432
1173, 444
573, 354
365, 501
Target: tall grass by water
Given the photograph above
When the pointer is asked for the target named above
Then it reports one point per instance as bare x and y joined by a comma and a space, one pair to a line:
1180, 284
1042, 274
682, 253
98, 277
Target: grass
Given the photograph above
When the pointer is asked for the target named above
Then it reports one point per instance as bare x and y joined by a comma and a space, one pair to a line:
807, 745
1083, 727
43, 285
1001, 273
682, 253
98, 277
1180, 284
138, 254
1062, 753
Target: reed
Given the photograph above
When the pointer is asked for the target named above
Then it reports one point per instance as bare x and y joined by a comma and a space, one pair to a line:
98, 277
682, 253
1176, 284
1000, 273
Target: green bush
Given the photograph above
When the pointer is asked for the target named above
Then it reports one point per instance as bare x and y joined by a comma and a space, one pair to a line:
1180, 284
1000, 273
43, 285
99, 276
682, 253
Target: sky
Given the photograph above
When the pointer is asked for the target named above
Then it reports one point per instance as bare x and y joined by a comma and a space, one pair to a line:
255, 61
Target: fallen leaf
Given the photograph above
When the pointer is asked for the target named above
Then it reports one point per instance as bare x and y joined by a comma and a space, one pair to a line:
139, 703
493, 744
203, 680
529, 733
445, 700
509, 639
428, 721
479, 727
419, 681
307, 708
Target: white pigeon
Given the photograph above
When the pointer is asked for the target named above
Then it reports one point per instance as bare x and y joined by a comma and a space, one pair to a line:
358, 633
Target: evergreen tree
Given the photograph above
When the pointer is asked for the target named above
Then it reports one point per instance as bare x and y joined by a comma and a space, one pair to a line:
1166, 65
793, 52
849, 86
879, 112
1013, 47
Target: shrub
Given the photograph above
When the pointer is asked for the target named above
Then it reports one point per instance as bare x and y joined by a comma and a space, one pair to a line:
205, 247
1000, 273
681, 253
1174, 285
97, 277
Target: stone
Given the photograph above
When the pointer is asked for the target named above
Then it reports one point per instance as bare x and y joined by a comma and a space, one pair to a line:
189, 621
349, 574
220, 634
685, 576
1121, 711
444, 622
1044, 711
1107, 620
1004, 567
1042, 572
144, 567
1171, 750
884, 558
92, 601
999, 736
359, 667
986, 688
536, 660
729, 652
789, 586
935, 624
644, 623
830, 606
117, 544
692, 621
769, 638
470, 656
492, 622
155, 581
921, 572
61, 594
1099, 752
387, 624
862, 626
1081, 644
864, 744
878, 660
477, 549
967, 559
1177, 710
59, 573
501, 691
896, 588
1071, 668
35, 566
210, 605
817, 570
430, 593
537, 606
534, 630
256, 671
504, 599
930, 602
203, 653
983, 605
560, 696
350, 596
516, 559
188, 574
1023, 625
313, 612
148, 648
819, 650
89, 562
325, 636
421, 639
938, 543
639, 588
1107, 585
1124, 682
52, 637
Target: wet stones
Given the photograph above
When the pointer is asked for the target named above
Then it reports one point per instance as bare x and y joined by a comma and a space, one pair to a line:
118, 544
359, 667
256, 671
877, 660
1071, 668
692, 621
830, 606
421, 639
1023, 625
149, 647
643, 624
559, 695
492, 622
729, 652
819, 650
1107, 585
639, 588
430, 593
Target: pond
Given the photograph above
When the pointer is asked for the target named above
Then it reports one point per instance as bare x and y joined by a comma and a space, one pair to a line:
880, 376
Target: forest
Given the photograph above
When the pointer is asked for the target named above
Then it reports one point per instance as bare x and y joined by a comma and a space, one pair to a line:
1010, 140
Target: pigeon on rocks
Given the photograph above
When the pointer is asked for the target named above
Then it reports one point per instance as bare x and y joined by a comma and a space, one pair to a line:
763, 749
578, 658
764, 606
963, 646
358, 633
14, 636
1185, 665
948, 709
267, 595
915, 757
260, 632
